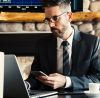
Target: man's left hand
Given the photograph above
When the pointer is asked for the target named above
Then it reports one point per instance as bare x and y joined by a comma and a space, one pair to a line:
54, 80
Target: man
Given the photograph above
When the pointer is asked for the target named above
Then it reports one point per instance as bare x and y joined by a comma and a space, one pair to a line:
73, 69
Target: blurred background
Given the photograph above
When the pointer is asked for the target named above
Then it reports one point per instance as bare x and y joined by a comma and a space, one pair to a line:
89, 8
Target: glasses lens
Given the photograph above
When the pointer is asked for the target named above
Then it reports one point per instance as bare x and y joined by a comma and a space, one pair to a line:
55, 18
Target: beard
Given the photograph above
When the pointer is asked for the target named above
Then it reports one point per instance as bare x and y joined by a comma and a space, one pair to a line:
57, 32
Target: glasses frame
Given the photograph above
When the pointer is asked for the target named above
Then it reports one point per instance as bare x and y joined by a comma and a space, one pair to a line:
53, 18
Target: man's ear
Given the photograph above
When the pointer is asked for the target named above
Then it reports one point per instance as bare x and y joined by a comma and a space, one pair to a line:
70, 15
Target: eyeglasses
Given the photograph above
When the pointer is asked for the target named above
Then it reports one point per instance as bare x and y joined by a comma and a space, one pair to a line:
53, 18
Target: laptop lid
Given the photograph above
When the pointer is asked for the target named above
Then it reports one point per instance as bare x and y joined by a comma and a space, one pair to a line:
14, 86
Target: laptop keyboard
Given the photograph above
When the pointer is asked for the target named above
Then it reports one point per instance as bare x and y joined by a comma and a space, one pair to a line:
33, 92
37, 93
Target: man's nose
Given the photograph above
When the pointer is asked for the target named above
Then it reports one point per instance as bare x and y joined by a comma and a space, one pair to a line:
51, 24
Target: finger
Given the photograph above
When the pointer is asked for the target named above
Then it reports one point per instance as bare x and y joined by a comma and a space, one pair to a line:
54, 74
49, 84
42, 80
51, 78
46, 82
48, 78
42, 77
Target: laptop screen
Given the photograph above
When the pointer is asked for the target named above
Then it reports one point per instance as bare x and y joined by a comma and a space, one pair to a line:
21, 2
21, 5
33, 5
14, 86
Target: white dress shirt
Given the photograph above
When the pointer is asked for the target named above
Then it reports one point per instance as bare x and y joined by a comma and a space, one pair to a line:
60, 56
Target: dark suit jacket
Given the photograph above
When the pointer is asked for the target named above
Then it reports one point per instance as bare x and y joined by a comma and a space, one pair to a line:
85, 66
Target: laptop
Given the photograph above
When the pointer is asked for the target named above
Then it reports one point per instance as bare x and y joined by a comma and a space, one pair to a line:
14, 85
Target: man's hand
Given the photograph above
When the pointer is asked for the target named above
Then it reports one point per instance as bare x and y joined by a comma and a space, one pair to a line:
54, 80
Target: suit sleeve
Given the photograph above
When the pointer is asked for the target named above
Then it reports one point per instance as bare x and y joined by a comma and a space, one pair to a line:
93, 75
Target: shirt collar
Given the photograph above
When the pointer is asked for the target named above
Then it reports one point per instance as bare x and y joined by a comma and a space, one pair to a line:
69, 40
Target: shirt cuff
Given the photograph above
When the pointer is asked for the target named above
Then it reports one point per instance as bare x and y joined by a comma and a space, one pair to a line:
68, 82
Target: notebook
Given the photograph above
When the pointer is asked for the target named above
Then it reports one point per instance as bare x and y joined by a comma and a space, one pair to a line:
14, 85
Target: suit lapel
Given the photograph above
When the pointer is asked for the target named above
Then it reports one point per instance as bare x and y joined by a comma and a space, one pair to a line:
76, 48
52, 51
52, 54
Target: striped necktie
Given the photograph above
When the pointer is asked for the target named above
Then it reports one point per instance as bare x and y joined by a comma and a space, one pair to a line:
66, 66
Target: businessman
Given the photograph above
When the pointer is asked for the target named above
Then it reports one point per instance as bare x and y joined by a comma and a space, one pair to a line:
67, 56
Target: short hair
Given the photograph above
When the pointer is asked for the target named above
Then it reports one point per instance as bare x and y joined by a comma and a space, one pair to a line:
60, 3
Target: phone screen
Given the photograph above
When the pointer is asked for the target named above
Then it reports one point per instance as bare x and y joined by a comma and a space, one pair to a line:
38, 73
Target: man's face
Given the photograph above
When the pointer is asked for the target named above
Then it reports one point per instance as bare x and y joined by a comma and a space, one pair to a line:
59, 21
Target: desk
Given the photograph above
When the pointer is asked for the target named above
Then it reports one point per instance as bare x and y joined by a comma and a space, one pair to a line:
73, 96
69, 96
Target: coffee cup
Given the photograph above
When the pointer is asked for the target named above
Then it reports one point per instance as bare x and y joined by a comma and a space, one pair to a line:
94, 87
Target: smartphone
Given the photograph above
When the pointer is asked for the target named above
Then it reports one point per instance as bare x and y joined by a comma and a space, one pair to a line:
38, 73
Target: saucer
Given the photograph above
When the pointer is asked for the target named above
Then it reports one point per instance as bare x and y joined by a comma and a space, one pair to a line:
92, 94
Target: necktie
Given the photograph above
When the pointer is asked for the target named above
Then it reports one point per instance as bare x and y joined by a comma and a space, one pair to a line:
66, 66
